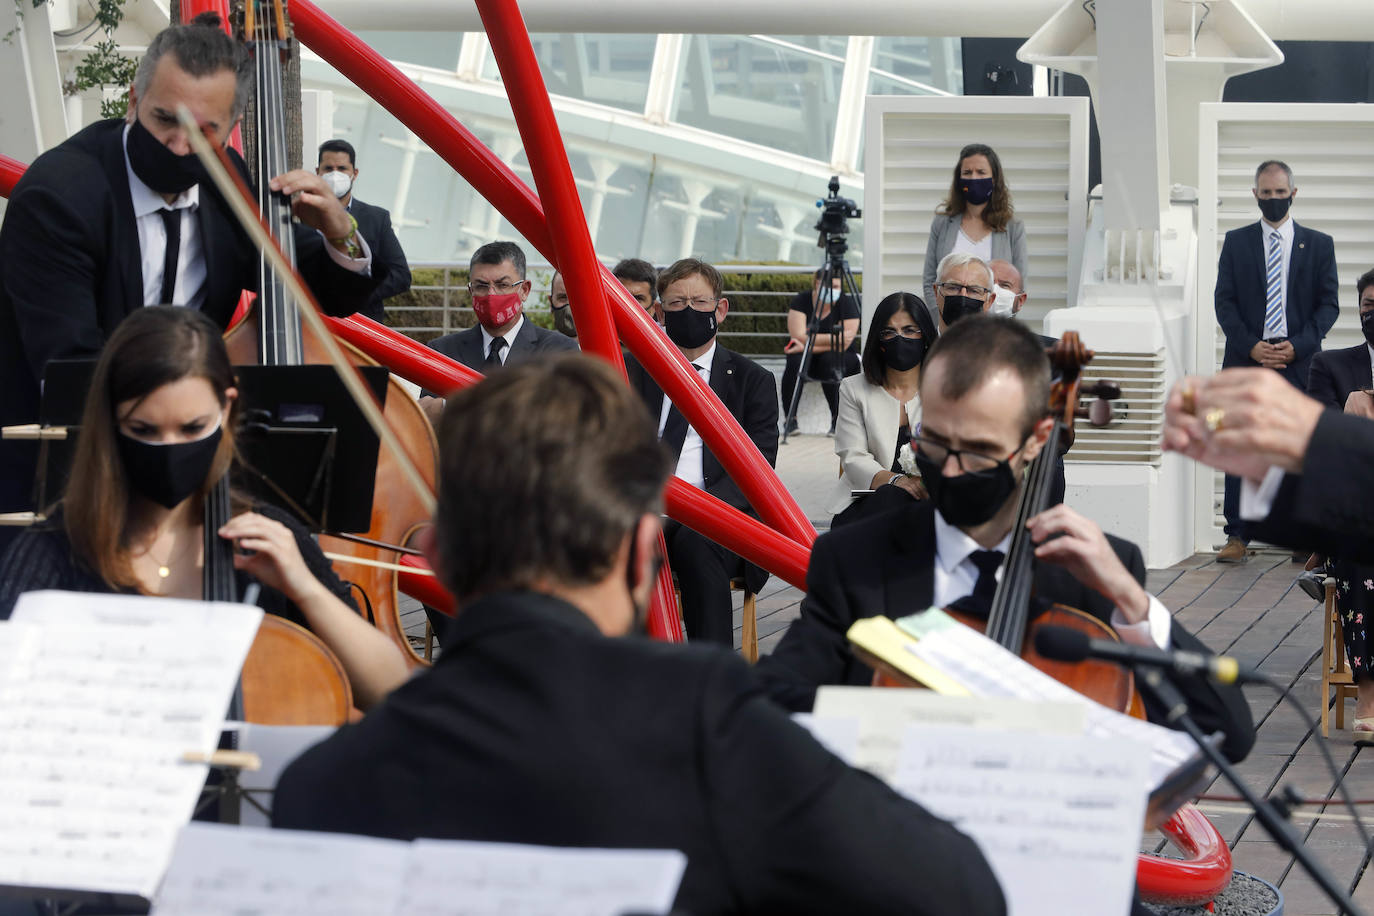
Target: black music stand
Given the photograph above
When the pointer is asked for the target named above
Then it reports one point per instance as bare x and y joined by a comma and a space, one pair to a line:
65, 383
301, 434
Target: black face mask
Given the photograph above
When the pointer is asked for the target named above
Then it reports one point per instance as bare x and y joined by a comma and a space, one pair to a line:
157, 166
689, 328
903, 353
167, 474
956, 307
969, 499
1275, 209
1367, 325
978, 190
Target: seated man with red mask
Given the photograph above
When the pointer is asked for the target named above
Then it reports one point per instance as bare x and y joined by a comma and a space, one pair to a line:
502, 335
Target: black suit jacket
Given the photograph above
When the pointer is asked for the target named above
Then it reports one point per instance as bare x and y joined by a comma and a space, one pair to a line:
466, 346
1327, 508
535, 728
374, 224
1241, 290
1336, 373
70, 271
886, 565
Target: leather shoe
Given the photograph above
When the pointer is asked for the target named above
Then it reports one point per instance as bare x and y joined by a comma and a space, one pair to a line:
1363, 731
1234, 551
1311, 583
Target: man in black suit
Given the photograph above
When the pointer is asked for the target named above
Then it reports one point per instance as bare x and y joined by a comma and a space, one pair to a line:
544, 722
693, 309
1276, 297
85, 236
337, 165
502, 336
1336, 373
984, 391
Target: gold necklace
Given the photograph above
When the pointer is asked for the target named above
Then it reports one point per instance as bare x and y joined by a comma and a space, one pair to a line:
163, 569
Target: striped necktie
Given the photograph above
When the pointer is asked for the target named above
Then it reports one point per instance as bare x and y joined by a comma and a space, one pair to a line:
1273, 274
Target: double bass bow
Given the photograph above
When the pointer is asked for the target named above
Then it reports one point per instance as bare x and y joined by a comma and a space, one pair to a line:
272, 334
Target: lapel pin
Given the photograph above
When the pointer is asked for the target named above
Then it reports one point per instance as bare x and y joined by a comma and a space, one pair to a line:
1302, 244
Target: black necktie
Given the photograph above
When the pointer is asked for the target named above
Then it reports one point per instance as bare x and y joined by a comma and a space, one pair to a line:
675, 427
494, 354
980, 602
171, 221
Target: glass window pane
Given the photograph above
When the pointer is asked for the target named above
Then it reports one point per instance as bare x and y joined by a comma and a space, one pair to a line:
606, 69
428, 49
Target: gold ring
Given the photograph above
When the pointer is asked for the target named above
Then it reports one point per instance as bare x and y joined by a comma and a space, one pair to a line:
1213, 419
1189, 395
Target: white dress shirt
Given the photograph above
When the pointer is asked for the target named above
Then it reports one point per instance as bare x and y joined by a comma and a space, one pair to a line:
956, 574
152, 242
689, 466
1285, 231
509, 336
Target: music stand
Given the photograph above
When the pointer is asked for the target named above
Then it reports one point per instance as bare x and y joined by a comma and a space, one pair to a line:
301, 433
65, 383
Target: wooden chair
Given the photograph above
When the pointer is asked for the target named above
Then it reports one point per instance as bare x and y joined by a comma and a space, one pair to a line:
1335, 671
749, 627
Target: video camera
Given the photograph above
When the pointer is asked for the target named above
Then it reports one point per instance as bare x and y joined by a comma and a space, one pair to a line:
836, 211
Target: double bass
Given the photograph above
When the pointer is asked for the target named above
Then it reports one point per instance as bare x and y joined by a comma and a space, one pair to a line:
272, 334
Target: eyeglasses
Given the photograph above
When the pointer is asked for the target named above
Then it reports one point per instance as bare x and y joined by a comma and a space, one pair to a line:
969, 462
893, 333
955, 289
483, 288
701, 305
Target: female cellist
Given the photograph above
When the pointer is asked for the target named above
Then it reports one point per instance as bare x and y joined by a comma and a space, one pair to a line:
157, 434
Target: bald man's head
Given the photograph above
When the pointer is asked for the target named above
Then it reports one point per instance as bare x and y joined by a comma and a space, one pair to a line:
1007, 279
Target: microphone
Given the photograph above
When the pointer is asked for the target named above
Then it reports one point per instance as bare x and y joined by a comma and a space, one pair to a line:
1067, 645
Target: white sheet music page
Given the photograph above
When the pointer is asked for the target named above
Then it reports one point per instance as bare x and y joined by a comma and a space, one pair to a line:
221, 870
1057, 816
988, 670
95, 714
459, 878
883, 716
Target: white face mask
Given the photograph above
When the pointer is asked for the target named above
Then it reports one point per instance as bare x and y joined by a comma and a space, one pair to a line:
339, 183
1004, 302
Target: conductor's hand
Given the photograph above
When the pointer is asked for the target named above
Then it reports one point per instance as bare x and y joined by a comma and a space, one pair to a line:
316, 205
1257, 421
274, 559
793, 345
1067, 539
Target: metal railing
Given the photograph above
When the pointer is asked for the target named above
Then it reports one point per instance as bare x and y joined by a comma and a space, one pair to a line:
447, 308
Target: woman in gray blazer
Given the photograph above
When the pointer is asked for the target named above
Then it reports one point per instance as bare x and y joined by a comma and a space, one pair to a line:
977, 217
880, 408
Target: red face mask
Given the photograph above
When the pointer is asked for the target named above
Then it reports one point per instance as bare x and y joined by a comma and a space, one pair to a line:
496, 309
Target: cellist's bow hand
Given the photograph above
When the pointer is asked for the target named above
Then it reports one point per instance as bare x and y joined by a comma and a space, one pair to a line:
1066, 538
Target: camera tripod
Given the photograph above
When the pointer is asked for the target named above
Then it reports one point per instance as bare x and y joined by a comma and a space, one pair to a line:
835, 266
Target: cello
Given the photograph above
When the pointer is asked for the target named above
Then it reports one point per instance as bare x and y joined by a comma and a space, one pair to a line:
272, 334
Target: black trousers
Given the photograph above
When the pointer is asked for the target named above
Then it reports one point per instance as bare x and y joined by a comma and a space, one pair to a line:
1230, 501
703, 569
822, 367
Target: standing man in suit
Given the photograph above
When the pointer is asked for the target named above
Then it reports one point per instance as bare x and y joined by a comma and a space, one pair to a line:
120, 216
502, 336
541, 723
1336, 373
984, 392
1276, 297
693, 309
337, 165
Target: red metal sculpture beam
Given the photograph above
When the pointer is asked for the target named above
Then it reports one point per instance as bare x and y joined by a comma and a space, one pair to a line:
11, 170
498, 184
574, 252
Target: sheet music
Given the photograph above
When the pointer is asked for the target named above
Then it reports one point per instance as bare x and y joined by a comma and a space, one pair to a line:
222, 870
989, 670
882, 717
837, 734
95, 713
1057, 816
454, 878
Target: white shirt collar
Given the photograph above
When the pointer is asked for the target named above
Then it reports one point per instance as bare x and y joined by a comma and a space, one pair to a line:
705, 359
147, 201
1284, 229
953, 546
488, 337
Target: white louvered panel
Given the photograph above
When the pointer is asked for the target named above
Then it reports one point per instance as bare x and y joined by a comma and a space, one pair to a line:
912, 145
1329, 148
1137, 417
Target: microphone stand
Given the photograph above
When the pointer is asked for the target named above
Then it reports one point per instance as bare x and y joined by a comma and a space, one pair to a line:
1273, 822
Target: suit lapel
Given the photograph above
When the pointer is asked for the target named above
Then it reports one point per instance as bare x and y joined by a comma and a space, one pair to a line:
470, 347
128, 257
1297, 258
909, 569
524, 340
722, 380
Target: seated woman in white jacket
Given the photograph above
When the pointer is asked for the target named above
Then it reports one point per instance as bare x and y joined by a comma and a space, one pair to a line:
880, 408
